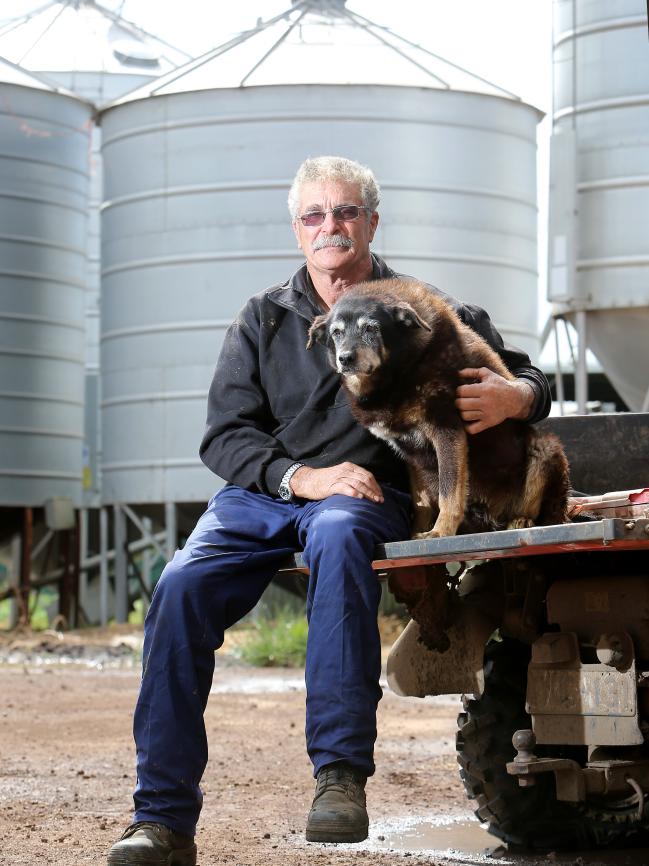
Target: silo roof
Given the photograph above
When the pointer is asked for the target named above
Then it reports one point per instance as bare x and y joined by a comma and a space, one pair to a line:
317, 42
11, 73
84, 36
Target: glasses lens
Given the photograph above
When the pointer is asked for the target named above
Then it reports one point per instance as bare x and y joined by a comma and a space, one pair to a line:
313, 218
346, 212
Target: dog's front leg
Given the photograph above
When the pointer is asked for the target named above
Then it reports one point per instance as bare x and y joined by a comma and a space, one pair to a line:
453, 470
423, 489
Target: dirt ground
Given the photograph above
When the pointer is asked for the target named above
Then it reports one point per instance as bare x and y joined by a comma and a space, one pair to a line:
68, 759
67, 767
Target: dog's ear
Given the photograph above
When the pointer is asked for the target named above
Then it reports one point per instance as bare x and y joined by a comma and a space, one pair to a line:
408, 316
318, 330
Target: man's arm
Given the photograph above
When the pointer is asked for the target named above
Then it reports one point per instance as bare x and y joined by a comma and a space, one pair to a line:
236, 444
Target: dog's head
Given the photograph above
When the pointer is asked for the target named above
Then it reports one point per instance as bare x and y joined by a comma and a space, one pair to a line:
362, 332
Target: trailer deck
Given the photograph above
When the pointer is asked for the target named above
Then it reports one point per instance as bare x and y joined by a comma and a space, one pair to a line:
612, 533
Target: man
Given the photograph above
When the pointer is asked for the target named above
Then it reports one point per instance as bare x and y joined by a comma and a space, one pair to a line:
302, 475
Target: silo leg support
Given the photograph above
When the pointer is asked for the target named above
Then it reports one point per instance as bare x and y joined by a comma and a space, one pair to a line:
26, 566
103, 566
121, 566
172, 529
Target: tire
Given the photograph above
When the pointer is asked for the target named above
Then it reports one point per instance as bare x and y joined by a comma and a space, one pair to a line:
529, 817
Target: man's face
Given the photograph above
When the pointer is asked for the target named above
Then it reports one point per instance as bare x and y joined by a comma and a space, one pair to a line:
340, 249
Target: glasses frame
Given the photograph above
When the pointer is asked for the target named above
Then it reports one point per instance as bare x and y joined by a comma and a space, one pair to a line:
333, 210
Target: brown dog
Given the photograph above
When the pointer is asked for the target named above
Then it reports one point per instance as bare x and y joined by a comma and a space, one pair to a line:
399, 347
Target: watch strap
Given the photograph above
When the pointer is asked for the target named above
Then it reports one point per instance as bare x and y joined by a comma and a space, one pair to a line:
284, 489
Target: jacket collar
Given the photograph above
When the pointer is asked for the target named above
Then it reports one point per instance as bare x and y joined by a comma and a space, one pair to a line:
297, 292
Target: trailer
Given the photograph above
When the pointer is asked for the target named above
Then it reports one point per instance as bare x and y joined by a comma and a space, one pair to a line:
545, 633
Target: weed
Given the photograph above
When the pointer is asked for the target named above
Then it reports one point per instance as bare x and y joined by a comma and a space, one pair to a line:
277, 642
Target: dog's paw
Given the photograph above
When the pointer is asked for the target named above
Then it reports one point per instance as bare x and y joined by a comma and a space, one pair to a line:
430, 533
520, 523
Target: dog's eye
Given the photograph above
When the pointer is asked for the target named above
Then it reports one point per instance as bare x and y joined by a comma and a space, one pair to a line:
336, 331
371, 328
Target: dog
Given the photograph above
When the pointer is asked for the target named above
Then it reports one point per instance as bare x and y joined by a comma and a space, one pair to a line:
399, 348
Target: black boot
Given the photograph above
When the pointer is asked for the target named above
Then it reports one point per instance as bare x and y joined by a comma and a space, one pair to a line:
149, 844
338, 813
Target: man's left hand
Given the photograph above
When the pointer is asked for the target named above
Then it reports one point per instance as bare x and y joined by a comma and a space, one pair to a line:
490, 399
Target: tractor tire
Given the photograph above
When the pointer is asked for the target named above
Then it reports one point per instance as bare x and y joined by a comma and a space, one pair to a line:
532, 817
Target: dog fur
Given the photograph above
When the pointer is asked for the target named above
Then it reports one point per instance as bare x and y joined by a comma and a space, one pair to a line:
399, 347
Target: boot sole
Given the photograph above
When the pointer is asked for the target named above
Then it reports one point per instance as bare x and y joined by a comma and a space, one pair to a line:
337, 834
132, 858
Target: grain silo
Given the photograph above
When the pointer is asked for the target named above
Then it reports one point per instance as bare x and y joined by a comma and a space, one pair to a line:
99, 55
599, 198
197, 169
44, 138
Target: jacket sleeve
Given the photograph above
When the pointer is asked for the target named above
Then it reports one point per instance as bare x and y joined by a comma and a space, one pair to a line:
516, 361
236, 444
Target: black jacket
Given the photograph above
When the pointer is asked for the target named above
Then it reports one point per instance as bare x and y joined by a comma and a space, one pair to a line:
272, 402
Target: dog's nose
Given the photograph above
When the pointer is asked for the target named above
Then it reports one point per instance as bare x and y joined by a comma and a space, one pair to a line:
346, 358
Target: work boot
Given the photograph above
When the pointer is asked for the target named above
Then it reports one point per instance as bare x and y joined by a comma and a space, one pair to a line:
338, 813
149, 844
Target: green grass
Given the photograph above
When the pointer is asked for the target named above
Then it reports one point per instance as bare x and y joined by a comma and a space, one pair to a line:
38, 604
277, 642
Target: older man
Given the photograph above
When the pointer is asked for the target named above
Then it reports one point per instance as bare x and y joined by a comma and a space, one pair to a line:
301, 475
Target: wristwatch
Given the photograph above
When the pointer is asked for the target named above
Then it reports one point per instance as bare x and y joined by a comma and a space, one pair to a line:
284, 489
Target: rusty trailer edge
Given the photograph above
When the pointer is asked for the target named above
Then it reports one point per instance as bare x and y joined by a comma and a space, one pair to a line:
612, 533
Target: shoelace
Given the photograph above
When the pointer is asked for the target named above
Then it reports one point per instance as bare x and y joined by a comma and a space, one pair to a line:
138, 826
335, 778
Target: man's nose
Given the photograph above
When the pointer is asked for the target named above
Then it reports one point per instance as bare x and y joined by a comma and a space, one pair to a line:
330, 224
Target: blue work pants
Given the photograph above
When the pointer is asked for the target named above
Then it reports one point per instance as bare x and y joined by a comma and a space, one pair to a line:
219, 576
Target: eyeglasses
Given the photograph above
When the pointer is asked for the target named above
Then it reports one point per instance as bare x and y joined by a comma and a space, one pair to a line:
345, 212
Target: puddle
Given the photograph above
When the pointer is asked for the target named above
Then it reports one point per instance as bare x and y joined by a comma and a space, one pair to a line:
233, 679
253, 684
51, 654
462, 839
452, 838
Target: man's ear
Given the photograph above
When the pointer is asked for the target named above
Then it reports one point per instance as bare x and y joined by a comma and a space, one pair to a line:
406, 315
297, 234
318, 330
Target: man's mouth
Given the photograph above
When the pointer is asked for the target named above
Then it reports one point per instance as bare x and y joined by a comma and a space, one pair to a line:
331, 241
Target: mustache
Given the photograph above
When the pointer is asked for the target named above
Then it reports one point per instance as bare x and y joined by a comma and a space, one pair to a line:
331, 241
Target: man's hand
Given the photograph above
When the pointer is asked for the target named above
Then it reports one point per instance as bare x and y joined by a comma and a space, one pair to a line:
346, 478
490, 399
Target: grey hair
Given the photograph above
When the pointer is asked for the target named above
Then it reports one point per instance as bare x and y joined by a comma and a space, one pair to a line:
338, 168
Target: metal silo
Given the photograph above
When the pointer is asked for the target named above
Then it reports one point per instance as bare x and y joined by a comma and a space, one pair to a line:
599, 203
98, 55
44, 137
197, 168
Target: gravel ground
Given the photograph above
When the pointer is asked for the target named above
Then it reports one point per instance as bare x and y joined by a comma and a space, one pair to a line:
68, 766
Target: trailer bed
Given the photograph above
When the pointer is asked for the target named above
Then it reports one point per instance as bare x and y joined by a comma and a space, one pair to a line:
613, 533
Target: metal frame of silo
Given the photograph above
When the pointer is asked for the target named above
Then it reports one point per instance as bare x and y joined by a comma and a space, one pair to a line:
30, 566
576, 307
579, 361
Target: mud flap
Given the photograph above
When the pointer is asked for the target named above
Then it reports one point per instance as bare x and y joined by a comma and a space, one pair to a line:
417, 672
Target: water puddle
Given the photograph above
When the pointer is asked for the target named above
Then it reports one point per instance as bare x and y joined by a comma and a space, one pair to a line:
451, 838
462, 839
252, 684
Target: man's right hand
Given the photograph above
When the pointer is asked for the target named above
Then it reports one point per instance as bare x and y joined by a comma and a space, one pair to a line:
345, 478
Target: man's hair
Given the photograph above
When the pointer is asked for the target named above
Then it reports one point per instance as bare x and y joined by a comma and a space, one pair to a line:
324, 168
